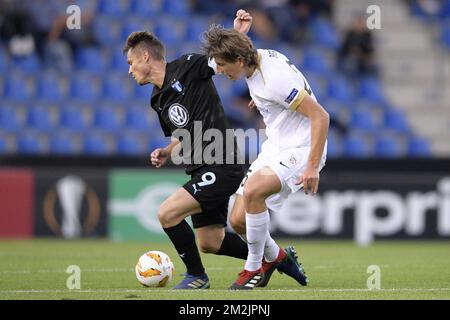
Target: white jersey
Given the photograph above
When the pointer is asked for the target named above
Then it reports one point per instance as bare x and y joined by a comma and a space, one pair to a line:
277, 87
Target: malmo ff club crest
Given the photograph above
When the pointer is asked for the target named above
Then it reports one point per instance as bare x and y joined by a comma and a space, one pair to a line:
71, 208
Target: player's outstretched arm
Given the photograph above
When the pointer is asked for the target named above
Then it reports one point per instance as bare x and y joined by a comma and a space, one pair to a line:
243, 21
320, 121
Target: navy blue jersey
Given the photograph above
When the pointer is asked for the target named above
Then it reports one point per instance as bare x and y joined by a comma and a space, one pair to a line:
189, 100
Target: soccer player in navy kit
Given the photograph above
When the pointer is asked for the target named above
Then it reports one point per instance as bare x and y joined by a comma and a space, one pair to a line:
184, 94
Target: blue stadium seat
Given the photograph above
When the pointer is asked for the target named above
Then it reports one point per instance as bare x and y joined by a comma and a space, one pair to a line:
138, 119
394, 119
187, 47
158, 141
364, 119
107, 119
97, 144
291, 52
176, 8
41, 118
116, 8
315, 60
91, 60
324, 33
333, 107
11, 119
143, 93
131, 144
170, 31
195, 27
145, 8
63, 144
119, 61
31, 143
318, 83
84, 87
107, 31
74, 118
368, 104
340, 90
117, 87
419, 147
136, 23
19, 87
357, 146
28, 64
388, 146
335, 145
132, 24
370, 88
50, 88
337, 110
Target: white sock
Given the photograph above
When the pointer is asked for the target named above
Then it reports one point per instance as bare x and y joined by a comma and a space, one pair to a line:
271, 249
257, 229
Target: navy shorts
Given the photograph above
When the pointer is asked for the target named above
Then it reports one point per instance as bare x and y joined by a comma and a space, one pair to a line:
212, 187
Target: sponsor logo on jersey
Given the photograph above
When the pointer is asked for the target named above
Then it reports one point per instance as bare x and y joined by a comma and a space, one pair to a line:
179, 115
291, 96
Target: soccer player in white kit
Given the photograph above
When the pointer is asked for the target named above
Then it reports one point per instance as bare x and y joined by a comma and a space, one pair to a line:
291, 157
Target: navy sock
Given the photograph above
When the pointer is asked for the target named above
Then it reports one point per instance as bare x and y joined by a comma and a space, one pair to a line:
183, 239
233, 246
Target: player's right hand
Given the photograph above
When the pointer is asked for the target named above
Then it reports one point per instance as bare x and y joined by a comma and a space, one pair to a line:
310, 179
243, 21
159, 157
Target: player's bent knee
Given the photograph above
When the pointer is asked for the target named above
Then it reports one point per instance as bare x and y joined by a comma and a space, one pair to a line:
206, 247
166, 217
252, 193
162, 217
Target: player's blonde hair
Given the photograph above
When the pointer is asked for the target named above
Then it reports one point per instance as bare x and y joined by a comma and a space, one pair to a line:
229, 45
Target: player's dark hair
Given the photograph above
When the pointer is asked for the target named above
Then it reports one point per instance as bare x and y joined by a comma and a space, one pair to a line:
229, 45
147, 41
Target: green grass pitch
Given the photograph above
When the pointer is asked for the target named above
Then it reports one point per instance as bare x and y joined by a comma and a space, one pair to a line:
36, 269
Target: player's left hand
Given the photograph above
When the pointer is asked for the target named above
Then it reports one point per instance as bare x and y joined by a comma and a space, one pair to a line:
310, 180
251, 104
243, 21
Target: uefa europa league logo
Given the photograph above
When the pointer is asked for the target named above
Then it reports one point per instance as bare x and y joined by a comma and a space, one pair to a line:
71, 190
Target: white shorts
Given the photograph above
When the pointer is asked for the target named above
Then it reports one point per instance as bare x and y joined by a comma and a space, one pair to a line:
288, 165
